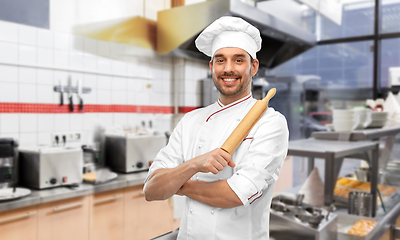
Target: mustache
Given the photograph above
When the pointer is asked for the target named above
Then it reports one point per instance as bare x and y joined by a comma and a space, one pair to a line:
229, 75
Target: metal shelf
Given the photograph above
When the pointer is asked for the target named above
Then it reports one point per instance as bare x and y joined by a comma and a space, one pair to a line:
333, 152
358, 135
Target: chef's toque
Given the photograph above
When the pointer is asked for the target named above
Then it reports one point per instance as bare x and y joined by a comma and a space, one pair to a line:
229, 32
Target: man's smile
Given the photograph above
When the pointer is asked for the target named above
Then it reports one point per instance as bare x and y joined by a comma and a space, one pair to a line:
229, 80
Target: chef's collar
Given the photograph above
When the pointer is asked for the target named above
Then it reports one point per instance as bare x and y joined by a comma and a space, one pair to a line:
236, 102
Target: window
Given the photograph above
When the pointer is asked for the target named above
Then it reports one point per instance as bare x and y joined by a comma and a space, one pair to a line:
390, 16
357, 20
390, 57
342, 65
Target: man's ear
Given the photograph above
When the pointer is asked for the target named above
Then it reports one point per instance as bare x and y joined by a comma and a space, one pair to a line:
254, 67
211, 65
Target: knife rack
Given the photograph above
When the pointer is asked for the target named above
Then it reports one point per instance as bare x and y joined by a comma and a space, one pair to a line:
57, 88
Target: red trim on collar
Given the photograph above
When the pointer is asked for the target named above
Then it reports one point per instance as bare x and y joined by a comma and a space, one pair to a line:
227, 107
220, 104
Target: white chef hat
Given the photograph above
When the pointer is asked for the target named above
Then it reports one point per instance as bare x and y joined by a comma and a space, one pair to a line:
229, 32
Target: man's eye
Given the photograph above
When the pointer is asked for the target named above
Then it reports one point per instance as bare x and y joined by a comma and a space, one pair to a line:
220, 60
239, 60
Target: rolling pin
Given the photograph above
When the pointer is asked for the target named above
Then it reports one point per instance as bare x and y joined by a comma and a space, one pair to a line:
247, 123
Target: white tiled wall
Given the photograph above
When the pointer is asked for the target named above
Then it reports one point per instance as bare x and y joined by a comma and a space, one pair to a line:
33, 60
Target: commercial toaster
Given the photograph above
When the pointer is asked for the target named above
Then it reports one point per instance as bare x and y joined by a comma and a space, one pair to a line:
47, 167
132, 152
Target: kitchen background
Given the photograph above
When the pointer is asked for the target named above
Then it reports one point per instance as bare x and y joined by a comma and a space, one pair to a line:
110, 46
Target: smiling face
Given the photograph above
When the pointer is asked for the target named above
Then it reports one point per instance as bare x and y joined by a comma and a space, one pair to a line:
232, 71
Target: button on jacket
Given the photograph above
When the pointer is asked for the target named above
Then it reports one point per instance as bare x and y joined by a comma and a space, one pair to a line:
258, 161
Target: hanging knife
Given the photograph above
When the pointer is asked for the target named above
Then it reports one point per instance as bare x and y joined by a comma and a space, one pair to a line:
80, 94
61, 93
71, 102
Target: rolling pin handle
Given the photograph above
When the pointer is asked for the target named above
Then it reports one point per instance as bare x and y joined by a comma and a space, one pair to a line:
270, 94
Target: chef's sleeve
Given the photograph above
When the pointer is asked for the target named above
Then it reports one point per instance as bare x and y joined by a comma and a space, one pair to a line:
263, 160
171, 155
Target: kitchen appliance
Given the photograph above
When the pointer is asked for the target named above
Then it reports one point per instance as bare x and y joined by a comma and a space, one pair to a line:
292, 219
91, 159
8, 162
131, 152
48, 167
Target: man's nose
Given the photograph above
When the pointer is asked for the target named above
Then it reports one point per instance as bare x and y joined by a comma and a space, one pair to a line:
229, 67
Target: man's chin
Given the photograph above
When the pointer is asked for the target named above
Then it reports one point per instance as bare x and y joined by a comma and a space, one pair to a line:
230, 93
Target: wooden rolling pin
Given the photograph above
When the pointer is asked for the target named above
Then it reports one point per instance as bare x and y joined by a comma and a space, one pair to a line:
247, 123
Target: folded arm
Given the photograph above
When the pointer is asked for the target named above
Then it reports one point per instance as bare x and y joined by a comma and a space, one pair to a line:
164, 183
215, 194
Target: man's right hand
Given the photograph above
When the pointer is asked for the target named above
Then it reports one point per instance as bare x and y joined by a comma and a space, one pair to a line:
213, 161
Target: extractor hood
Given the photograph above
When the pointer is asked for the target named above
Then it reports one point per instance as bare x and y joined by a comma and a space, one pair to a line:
178, 28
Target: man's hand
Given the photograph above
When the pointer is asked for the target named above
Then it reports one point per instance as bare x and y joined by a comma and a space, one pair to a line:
214, 161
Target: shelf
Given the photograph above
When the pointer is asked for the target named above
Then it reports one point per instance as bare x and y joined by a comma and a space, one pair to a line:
358, 135
333, 152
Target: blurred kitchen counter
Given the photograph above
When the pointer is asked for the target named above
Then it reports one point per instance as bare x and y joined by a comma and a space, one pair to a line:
61, 193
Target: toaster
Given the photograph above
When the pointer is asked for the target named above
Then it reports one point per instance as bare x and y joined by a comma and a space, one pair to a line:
48, 167
131, 152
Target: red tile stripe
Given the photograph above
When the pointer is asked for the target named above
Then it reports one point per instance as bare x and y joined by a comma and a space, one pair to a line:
186, 109
88, 108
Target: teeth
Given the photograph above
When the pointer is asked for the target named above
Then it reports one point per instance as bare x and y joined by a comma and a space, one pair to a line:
229, 79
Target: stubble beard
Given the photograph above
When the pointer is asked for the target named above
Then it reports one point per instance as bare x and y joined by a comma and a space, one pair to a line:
238, 91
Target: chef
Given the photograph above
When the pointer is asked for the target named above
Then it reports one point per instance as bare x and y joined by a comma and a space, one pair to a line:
228, 196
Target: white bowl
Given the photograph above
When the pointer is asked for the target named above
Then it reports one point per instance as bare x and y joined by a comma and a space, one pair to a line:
343, 125
343, 117
377, 123
362, 117
379, 115
342, 112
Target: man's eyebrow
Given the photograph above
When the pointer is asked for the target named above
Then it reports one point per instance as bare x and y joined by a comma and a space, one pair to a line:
236, 55
240, 55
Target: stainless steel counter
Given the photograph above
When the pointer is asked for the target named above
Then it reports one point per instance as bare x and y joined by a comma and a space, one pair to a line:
385, 219
60, 193
333, 152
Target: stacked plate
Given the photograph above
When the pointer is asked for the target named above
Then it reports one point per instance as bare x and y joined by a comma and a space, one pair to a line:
378, 119
346, 120
11, 194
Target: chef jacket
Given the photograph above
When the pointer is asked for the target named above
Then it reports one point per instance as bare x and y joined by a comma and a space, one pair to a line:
258, 160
